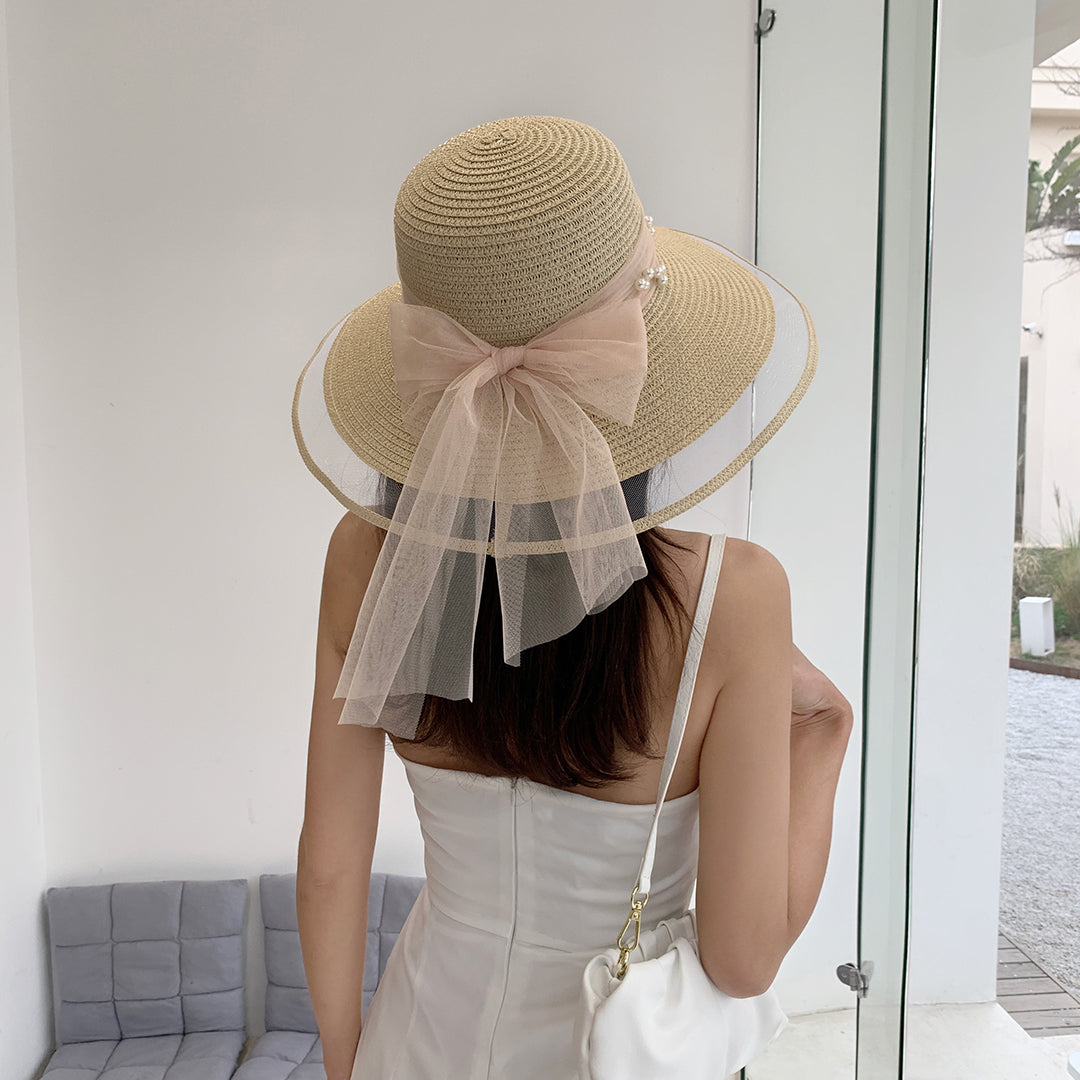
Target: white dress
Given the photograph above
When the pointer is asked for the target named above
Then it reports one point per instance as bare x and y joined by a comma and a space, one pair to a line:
524, 884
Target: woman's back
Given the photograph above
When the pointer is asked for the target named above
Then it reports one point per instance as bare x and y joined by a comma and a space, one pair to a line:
524, 884
643, 785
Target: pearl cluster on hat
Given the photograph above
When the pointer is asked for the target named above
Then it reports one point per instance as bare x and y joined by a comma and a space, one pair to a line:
659, 272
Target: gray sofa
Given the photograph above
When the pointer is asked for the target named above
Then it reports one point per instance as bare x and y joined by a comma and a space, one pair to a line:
291, 1048
149, 978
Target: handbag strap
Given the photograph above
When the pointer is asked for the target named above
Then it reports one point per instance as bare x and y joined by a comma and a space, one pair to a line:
682, 700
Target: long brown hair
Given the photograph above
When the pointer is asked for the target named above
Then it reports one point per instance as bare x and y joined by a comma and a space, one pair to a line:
575, 703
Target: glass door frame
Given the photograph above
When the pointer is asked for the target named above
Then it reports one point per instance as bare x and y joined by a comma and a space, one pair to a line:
895, 539
907, 51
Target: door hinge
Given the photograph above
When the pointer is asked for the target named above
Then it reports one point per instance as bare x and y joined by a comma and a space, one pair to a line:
858, 978
764, 23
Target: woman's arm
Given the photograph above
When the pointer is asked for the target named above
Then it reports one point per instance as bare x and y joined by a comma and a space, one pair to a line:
821, 723
341, 812
743, 775
770, 762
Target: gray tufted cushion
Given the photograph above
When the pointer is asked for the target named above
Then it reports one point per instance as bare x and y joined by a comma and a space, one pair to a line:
149, 979
291, 1049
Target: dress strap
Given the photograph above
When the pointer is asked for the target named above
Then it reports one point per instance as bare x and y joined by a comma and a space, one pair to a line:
682, 700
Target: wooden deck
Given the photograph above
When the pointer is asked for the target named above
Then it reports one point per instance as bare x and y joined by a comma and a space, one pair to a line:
1034, 999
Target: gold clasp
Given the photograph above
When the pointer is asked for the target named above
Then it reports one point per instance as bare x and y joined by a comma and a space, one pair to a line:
634, 917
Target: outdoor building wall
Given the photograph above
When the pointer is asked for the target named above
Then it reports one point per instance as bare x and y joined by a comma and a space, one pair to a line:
1052, 302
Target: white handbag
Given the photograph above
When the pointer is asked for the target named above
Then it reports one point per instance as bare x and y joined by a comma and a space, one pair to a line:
647, 1010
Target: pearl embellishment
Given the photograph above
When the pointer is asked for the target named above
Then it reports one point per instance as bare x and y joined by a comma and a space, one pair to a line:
651, 274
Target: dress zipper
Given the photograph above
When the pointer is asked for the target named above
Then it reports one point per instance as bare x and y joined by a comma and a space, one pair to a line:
513, 918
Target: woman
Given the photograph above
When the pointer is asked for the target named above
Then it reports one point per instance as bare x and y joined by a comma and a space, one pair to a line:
503, 601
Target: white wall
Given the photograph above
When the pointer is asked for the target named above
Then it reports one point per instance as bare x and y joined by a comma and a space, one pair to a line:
1052, 303
202, 191
25, 1034
980, 185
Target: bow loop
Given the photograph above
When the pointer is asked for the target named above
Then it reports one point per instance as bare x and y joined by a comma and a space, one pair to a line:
598, 360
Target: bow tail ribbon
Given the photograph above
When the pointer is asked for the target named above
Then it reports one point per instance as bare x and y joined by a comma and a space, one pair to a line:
564, 542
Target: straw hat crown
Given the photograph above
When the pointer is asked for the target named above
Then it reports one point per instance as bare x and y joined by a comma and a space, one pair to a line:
514, 223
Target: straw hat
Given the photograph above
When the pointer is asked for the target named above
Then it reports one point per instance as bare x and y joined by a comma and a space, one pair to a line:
551, 374
509, 226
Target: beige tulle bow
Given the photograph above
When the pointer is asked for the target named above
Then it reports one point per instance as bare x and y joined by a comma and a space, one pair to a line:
503, 437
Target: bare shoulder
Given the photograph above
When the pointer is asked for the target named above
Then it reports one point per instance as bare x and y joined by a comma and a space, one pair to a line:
748, 571
749, 567
350, 558
353, 541
752, 603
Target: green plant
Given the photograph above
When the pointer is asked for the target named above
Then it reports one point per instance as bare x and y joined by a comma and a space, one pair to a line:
1053, 572
1030, 577
1054, 192
1065, 573
1070, 529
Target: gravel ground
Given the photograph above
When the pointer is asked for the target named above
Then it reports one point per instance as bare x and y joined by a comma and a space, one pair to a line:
1040, 841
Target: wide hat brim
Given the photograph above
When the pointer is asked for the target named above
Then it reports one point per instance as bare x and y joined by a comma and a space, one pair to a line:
720, 328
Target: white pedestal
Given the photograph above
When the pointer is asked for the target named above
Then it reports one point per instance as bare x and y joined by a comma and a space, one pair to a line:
1037, 625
